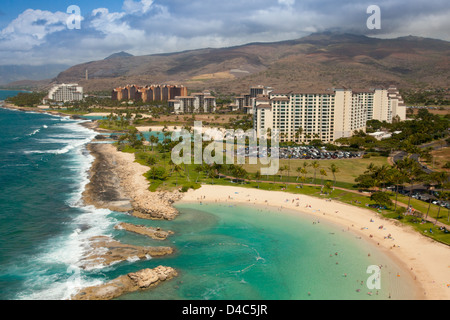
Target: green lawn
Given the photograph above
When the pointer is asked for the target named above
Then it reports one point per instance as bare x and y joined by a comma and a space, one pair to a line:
349, 169
423, 207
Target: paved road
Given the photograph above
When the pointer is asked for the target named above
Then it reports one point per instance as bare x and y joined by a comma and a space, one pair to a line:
402, 154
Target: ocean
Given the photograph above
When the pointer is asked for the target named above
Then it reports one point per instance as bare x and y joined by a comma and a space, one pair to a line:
8, 93
43, 170
222, 251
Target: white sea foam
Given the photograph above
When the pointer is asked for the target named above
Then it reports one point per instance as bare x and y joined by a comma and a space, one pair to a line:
68, 250
34, 132
133, 259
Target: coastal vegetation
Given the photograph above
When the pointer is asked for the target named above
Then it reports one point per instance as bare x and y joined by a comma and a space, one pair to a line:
430, 97
27, 99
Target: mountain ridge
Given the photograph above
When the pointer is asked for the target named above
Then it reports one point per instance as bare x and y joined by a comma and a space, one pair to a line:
320, 60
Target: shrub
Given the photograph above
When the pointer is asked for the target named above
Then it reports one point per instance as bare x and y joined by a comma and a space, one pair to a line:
381, 198
156, 173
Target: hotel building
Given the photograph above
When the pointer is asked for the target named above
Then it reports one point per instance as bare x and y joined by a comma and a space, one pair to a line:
196, 103
65, 93
303, 116
148, 93
245, 101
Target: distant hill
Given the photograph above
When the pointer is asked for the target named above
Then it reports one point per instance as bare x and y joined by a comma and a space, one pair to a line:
14, 73
320, 60
121, 54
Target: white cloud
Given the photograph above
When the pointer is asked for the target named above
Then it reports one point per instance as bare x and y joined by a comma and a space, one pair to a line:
30, 28
288, 3
136, 7
108, 23
150, 26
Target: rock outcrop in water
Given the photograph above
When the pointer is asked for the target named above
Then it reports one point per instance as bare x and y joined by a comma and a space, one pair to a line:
131, 282
105, 251
154, 233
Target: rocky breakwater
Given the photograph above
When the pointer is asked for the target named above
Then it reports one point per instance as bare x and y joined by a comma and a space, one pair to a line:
141, 280
105, 251
154, 233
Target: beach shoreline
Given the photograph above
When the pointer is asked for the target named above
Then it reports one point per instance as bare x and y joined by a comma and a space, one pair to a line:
426, 260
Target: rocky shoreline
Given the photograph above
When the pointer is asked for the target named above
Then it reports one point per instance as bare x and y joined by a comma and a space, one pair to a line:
141, 280
117, 183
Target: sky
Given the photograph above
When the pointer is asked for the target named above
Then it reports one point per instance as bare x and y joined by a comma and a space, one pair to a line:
36, 32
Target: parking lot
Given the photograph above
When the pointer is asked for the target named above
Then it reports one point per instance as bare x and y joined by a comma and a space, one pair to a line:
299, 153
310, 152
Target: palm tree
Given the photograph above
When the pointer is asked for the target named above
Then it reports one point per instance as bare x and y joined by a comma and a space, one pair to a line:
442, 180
304, 172
240, 173
323, 173
283, 169
289, 166
381, 173
177, 169
299, 171
412, 171
371, 168
164, 156
395, 177
315, 165
211, 174
198, 169
153, 140
334, 169
298, 133
258, 177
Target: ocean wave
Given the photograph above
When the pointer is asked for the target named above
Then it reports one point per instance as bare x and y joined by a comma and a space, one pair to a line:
67, 252
60, 289
37, 130
56, 273
34, 132
15, 165
66, 149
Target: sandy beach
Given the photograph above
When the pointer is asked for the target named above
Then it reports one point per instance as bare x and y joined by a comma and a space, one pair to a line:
427, 260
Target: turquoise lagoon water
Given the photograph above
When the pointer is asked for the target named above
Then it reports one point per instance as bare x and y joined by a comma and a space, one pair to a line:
221, 251
239, 252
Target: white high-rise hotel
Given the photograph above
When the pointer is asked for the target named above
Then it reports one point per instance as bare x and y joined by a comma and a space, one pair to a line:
65, 93
303, 116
